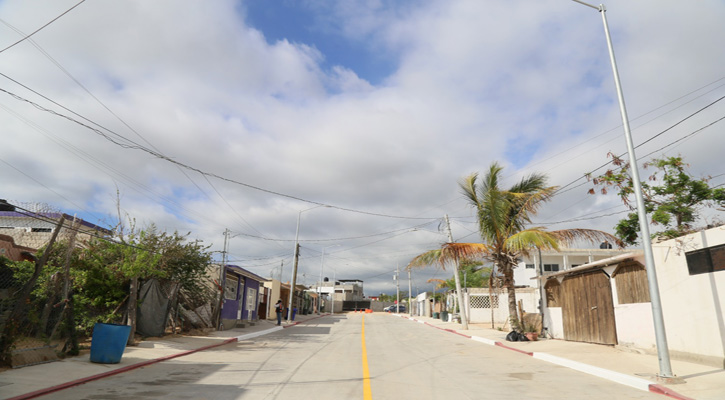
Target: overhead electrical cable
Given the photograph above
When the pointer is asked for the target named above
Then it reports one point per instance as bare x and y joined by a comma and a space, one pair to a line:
557, 155
136, 146
78, 83
561, 189
39, 29
79, 207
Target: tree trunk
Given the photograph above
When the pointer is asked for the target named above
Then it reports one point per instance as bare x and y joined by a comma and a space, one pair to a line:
508, 282
132, 300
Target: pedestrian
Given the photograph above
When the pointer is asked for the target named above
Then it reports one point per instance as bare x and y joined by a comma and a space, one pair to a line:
278, 310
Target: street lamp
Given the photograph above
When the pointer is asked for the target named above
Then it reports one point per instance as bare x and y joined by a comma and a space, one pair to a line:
293, 281
660, 335
319, 287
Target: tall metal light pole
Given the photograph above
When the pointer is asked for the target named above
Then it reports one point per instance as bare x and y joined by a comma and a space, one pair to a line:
659, 326
293, 281
319, 287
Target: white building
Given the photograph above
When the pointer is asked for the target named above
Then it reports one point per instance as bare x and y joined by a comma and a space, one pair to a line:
342, 290
608, 301
547, 262
555, 261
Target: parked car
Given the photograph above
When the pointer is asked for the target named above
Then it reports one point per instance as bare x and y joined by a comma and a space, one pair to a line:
400, 308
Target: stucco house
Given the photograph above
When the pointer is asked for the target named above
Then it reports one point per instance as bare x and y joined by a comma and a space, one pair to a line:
480, 302
33, 230
608, 301
241, 298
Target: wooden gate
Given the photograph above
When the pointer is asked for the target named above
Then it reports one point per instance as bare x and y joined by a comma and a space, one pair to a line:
588, 309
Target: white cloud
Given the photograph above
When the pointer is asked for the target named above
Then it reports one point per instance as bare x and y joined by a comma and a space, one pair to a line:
518, 82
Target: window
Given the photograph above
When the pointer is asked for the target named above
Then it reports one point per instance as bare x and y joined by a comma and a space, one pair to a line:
551, 267
706, 260
231, 284
41, 230
530, 266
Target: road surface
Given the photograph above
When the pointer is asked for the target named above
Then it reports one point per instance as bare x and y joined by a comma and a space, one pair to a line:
354, 356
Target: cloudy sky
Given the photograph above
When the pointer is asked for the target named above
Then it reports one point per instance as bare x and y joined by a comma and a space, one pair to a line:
208, 115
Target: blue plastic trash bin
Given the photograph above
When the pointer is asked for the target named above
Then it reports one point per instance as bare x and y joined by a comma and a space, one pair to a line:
109, 342
294, 313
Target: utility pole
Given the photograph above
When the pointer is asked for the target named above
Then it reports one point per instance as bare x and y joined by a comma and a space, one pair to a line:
410, 295
397, 288
461, 304
334, 283
540, 282
224, 256
294, 281
221, 277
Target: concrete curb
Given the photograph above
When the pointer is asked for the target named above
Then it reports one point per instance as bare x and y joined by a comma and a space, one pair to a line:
260, 333
80, 381
631, 381
613, 376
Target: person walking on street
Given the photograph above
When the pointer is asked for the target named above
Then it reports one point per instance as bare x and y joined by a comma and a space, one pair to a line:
278, 310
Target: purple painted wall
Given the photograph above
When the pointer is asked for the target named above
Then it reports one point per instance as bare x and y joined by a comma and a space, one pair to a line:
245, 281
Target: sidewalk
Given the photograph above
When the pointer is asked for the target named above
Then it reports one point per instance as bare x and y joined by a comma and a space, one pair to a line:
42, 379
638, 370
623, 367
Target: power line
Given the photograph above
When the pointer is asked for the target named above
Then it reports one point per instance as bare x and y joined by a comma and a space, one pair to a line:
157, 154
39, 29
647, 113
561, 189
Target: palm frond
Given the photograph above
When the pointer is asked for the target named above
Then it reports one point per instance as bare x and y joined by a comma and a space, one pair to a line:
460, 251
569, 236
430, 257
527, 239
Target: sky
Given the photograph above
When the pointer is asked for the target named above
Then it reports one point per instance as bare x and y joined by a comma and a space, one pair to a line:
249, 115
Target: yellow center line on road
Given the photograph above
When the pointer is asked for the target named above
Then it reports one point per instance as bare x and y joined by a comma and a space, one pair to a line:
367, 391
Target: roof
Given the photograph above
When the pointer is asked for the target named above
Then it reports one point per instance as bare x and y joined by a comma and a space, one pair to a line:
54, 216
593, 265
245, 273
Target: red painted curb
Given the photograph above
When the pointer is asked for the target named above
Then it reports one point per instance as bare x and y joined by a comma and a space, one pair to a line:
117, 371
659, 389
499, 344
457, 333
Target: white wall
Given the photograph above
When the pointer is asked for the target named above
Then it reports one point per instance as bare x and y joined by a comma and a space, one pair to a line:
528, 296
692, 305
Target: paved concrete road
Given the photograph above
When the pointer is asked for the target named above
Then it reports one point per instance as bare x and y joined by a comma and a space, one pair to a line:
324, 360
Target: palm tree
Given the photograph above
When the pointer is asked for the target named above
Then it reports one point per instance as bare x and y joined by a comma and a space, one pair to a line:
502, 217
